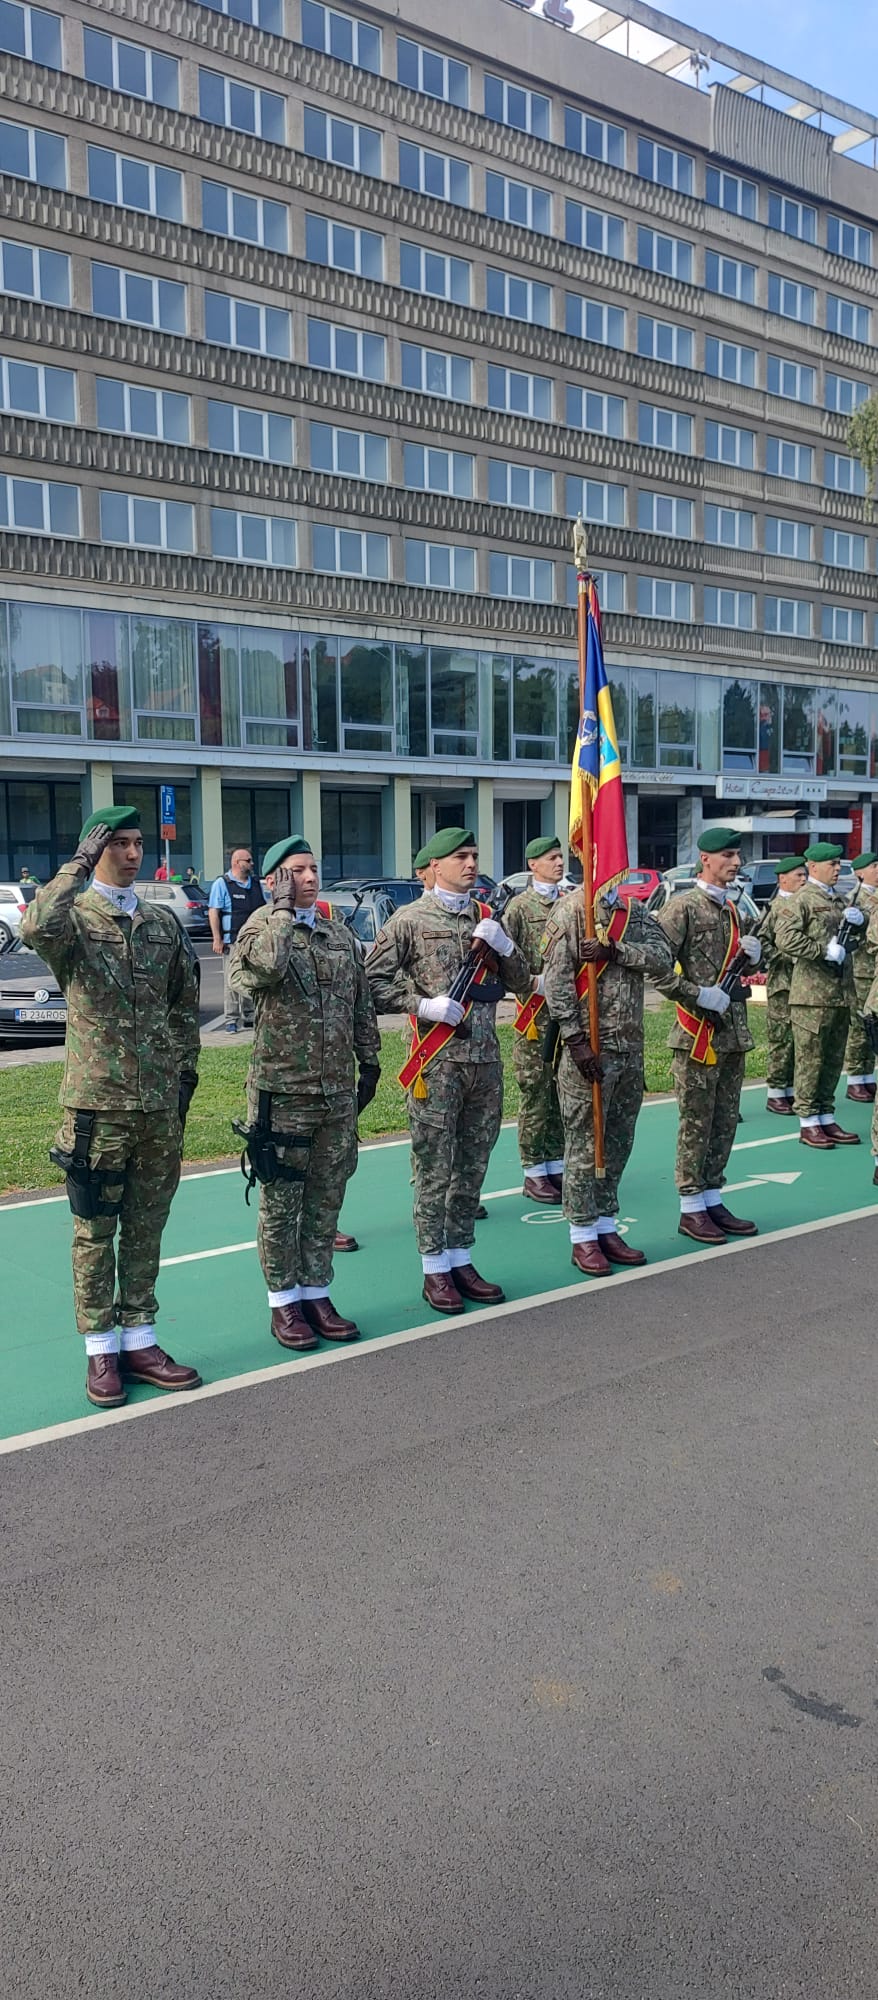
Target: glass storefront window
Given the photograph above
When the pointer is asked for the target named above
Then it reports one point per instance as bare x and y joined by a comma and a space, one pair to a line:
769, 728
320, 694
798, 730
708, 722
618, 680
411, 702
454, 702
853, 733
107, 677
535, 710
739, 726
643, 717
163, 665
255, 816
46, 653
350, 824
826, 733
270, 686
146, 799
5, 714
39, 826
502, 683
218, 702
676, 719
367, 698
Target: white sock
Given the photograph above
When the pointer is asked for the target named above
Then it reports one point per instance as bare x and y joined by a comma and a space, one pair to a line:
135, 1337
103, 1343
290, 1297
713, 1198
435, 1262
315, 1291
861, 1079
606, 1225
778, 1096
583, 1232
556, 1166
691, 1204
813, 1118
826, 1118
458, 1257
533, 1173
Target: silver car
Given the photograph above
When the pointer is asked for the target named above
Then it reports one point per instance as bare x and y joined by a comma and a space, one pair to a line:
188, 902
14, 899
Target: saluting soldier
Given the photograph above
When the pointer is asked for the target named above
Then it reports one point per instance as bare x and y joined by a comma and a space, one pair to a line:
630, 945
454, 1080
821, 996
314, 1013
710, 1037
859, 1056
131, 1066
540, 1131
791, 877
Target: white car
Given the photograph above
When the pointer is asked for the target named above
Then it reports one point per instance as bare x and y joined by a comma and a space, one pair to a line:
523, 878
14, 899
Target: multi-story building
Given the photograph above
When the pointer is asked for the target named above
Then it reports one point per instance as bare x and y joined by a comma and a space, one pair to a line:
318, 324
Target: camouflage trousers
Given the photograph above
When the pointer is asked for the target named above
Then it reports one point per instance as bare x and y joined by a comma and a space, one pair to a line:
859, 1055
819, 1034
708, 1098
145, 1146
585, 1198
298, 1219
780, 1042
454, 1131
540, 1130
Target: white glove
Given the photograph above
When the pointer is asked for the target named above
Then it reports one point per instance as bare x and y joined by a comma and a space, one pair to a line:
539, 985
713, 998
493, 935
835, 952
753, 949
853, 915
441, 1009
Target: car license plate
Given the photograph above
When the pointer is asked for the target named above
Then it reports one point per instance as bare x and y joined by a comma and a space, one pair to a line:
40, 1014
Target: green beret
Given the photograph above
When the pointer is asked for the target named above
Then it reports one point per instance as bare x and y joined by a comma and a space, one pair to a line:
293, 844
713, 839
447, 842
823, 850
422, 858
788, 862
864, 860
117, 818
548, 843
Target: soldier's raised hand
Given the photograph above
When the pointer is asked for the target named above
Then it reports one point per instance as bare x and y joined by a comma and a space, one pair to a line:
92, 845
283, 890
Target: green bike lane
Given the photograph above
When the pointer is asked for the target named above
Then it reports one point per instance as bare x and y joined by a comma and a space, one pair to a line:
212, 1297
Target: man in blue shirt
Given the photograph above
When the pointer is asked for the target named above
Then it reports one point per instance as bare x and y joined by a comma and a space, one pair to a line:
233, 898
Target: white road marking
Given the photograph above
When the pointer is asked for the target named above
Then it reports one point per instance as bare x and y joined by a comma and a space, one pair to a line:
759, 1180
780, 1139
195, 1256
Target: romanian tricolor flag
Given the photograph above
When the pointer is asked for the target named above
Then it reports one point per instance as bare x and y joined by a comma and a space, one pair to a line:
597, 766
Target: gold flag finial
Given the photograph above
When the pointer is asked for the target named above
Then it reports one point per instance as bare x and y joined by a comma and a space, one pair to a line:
580, 543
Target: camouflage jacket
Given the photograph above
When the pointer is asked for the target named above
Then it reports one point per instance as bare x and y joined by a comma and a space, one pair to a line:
699, 932
870, 1003
313, 1007
644, 950
866, 954
525, 919
417, 956
778, 969
132, 995
804, 927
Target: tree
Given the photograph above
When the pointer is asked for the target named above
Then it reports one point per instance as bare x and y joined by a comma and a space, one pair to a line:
862, 436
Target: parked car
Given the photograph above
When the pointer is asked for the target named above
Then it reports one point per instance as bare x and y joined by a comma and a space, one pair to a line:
400, 888
32, 1006
14, 899
674, 884
188, 902
639, 884
522, 880
365, 917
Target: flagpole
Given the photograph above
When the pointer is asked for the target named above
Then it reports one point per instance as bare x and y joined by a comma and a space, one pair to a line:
580, 556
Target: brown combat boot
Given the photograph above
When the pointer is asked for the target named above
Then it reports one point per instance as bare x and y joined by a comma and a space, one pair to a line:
589, 1258
467, 1282
323, 1318
538, 1187
440, 1292
291, 1329
343, 1242
859, 1093
818, 1136
732, 1225
103, 1383
619, 1252
839, 1136
153, 1365
701, 1227
781, 1106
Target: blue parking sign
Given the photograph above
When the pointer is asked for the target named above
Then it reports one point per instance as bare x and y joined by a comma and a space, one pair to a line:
169, 806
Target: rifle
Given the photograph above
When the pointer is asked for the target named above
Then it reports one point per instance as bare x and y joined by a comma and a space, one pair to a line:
850, 935
487, 991
869, 1024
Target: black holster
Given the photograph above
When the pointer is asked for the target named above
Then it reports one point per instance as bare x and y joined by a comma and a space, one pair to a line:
86, 1185
263, 1146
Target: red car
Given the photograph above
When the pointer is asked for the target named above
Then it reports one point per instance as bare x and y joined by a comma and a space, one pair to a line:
639, 884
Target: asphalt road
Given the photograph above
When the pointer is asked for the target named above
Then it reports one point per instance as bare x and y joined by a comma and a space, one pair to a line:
533, 1662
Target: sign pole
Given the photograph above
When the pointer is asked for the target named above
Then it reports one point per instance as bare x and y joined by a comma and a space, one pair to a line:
594, 1029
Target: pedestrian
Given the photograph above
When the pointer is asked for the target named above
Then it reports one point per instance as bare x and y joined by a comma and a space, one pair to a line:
233, 898
304, 975
540, 1130
629, 947
710, 1036
131, 1066
859, 1056
454, 1080
28, 880
821, 995
161, 873
792, 875
190, 879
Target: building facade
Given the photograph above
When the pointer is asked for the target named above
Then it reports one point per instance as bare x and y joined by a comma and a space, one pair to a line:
317, 326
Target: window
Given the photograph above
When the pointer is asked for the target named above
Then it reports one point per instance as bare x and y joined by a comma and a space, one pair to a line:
792, 379
345, 249
127, 295
509, 104
248, 217
30, 390
346, 352
610, 587
668, 254
437, 276
31, 32
340, 35
267, 14
659, 598
596, 500
843, 474
727, 445
729, 277
728, 191
661, 340
518, 298
843, 550
593, 138
128, 66
435, 373
844, 395
147, 524
429, 470
437, 76
32, 154
135, 184
239, 323
350, 552
511, 485
589, 410
787, 538
223, 101
236, 536
728, 361
37, 507
667, 428
248, 433
842, 316
788, 460
592, 229
791, 300
521, 576
438, 566
437, 174
356, 454
590, 321
790, 616
848, 239
340, 140
843, 626
521, 394
729, 527
735, 608
35, 274
794, 218
151, 413
663, 164
662, 514
516, 201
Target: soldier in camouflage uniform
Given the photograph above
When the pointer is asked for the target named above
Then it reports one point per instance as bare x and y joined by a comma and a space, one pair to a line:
624, 959
791, 877
859, 1056
699, 926
821, 996
540, 1131
304, 974
871, 1007
456, 1106
131, 1067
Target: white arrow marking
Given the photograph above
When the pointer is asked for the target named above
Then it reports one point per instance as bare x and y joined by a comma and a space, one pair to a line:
781, 1139
758, 1180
